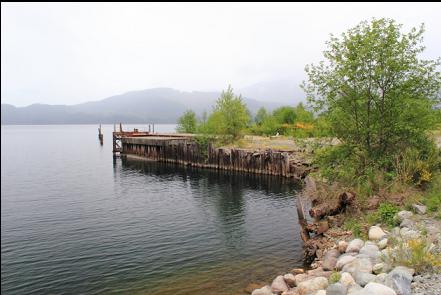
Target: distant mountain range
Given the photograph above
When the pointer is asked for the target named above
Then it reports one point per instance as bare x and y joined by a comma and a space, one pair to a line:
157, 105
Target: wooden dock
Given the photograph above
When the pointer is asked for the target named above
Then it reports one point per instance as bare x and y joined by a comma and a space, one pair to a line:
185, 150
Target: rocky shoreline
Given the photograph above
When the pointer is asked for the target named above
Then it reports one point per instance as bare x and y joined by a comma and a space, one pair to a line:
370, 267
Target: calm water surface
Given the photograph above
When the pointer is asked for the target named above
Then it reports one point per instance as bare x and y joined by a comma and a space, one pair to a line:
74, 221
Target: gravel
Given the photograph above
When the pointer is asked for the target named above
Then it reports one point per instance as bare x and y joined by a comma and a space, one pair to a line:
426, 284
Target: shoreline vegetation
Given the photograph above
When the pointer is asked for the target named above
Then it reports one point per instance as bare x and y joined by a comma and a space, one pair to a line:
376, 190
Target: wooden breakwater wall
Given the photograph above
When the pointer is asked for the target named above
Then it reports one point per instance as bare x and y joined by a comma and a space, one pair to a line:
187, 151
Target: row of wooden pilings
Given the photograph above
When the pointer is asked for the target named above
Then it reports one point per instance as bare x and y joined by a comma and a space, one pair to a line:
187, 151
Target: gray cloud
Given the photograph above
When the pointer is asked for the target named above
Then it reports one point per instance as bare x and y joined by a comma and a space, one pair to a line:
71, 53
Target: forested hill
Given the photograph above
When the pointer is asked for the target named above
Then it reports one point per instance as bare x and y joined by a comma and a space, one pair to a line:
157, 105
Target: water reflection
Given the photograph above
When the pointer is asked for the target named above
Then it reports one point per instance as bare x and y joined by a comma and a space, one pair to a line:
224, 198
74, 222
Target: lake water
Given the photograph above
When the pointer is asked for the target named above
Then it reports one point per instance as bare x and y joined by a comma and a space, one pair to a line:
75, 221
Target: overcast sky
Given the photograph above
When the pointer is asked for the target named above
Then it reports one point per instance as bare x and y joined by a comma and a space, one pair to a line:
72, 53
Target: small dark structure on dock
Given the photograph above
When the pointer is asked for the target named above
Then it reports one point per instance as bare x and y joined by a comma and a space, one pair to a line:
117, 137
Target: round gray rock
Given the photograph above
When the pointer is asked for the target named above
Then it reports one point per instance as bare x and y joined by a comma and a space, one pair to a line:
279, 285
336, 289
363, 278
403, 215
377, 289
354, 245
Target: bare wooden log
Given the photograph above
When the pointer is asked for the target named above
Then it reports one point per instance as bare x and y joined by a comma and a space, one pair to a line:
333, 207
304, 233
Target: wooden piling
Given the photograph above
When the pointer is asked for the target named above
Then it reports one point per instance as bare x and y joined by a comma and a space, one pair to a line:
100, 135
186, 151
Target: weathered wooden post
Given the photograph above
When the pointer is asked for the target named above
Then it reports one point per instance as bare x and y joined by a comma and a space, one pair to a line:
100, 135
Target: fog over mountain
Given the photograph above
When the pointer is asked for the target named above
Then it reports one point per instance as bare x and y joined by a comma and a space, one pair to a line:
157, 105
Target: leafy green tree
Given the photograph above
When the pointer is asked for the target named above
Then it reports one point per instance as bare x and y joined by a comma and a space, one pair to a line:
230, 115
377, 92
302, 114
285, 115
187, 122
261, 116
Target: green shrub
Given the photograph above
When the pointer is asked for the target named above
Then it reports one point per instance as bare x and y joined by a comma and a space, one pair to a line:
418, 166
187, 123
386, 213
334, 277
337, 162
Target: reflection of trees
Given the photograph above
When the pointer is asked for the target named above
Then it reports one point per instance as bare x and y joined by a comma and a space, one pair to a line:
220, 196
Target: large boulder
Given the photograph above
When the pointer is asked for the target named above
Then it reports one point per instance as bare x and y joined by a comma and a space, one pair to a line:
358, 265
354, 289
330, 259
312, 285
363, 278
400, 279
266, 290
279, 285
407, 223
302, 277
346, 279
343, 260
371, 251
354, 245
376, 233
336, 289
290, 279
403, 215
377, 289
420, 209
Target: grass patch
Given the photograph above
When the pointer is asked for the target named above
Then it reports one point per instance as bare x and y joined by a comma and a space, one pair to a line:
416, 254
358, 226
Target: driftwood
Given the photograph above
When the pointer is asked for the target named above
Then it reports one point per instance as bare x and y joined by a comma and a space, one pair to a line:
318, 228
332, 208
